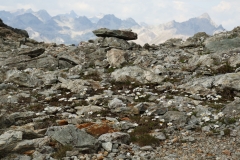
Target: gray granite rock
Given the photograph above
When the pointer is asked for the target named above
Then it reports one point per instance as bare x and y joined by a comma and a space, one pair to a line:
71, 135
178, 118
135, 74
115, 137
116, 57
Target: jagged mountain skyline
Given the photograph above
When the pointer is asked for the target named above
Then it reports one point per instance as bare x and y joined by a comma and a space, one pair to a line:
152, 12
71, 28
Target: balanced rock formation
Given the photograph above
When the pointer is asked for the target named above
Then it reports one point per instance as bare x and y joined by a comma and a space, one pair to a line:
122, 34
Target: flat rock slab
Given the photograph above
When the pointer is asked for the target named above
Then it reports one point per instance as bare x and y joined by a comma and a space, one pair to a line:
122, 34
71, 135
115, 137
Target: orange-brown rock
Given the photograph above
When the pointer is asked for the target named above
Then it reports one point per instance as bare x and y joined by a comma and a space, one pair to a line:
99, 129
96, 129
62, 122
29, 153
125, 119
84, 125
226, 152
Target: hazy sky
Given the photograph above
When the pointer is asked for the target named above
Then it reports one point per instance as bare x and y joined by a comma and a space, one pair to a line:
225, 12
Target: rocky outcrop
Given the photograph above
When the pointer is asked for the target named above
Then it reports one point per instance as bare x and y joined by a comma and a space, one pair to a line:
4, 32
112, 99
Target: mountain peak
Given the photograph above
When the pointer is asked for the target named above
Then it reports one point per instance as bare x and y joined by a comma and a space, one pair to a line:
109, 16
73, 14
205, 16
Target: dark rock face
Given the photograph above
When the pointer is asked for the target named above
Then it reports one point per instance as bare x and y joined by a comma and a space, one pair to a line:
18, 31
122, 34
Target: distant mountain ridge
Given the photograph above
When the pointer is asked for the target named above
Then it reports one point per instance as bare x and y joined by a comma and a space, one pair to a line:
173, 29
70, 28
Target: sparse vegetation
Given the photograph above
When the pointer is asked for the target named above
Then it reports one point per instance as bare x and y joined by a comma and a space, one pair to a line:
143, 99
141, 134
183, 59
61, 151
143, 139
227, 132
223, 69
94, 75
216, 106
227, 93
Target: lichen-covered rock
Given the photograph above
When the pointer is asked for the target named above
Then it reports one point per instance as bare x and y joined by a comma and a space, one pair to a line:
22, 78
232, 109
115, 137
113, 42
135, 74
177, 118
116, 57
71, 135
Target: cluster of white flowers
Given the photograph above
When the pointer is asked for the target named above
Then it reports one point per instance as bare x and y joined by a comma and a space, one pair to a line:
148, 113
127, 91
213, 97
72, 116
220, 114
135, 124
62, 99
90, 112
162, 120
161, 98
142, 96
53, 109
206, 118
174, 90
71, 99
138, 89
65, 99
170, 102
207, 115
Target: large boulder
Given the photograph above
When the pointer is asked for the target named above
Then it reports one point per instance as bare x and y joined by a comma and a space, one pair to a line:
177, 118
122, 34
20, 141
115, 137
8, 140
114, 42
116, 57
204, 85
71, 135
136, 74
22, 79
233, 108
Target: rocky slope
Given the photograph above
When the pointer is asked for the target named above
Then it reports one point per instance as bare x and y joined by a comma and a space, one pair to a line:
113, 99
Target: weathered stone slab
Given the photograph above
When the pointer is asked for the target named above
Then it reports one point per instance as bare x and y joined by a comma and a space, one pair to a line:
122, 34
